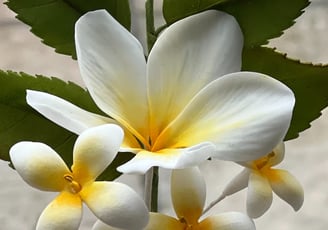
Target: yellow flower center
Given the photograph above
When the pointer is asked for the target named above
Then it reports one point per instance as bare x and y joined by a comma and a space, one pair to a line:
188, 226
262, 162
73, 186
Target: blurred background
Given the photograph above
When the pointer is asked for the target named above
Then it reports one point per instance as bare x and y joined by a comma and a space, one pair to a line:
306, 157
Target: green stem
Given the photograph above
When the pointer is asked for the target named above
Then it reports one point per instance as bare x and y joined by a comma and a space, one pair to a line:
151, 178
151, 189
150, 26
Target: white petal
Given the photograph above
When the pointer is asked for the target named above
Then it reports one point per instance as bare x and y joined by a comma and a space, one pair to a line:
228, 221
116, 204
94, 150
113, 67
259, 195
279, 154
102, 226
158, 221
168, 158
63, 213
238, 183
188, 192
287, 187
63, 112
245, 114
187, 56
39, 165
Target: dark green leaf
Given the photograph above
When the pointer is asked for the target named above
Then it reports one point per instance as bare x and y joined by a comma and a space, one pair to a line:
20, 122
174, 10
53, 20
261, 20
111, 173
308, 82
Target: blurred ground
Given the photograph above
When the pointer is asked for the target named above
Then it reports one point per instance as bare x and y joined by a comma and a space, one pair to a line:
306, 158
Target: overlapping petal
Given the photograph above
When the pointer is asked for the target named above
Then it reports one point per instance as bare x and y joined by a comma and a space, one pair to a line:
187, 56
279, 154
228, 221
94, 150
63, 213
63, 112
39, 165
158, 221
233, 112
168, 158
188, 192
116, 204
70, 116
259, 195
287, 187
113, 67
180, 99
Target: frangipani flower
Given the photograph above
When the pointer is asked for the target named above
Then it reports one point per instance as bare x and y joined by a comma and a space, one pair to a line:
188, 193
114, 203
262, 179
187, 103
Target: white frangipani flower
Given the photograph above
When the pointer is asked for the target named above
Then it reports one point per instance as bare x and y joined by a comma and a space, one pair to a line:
187, 103
188, 193
113, 203
261, 179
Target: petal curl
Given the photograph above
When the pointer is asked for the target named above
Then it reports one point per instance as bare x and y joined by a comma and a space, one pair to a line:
239, 182
94, 150
168, 158
188, 192
287, 187
63, 112
244, 114
64, 213
116, 204
39, 165
259, 195
187, 56
228, 221
113, 67
158, 221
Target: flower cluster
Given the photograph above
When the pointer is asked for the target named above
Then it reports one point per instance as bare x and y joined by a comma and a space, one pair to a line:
187, 103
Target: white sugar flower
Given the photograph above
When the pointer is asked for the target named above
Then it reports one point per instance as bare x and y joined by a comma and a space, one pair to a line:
113, 203
186, 103
188, 191
261, 179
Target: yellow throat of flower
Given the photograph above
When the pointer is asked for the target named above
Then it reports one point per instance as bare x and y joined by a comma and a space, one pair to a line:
72, 185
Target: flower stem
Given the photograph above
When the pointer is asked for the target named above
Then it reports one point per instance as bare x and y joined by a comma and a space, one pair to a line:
150, 25
151, 189
151, 177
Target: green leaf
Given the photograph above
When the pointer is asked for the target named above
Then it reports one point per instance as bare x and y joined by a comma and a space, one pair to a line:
261, 20
175, 10
111, 173
20, 122
53, 20
308, 82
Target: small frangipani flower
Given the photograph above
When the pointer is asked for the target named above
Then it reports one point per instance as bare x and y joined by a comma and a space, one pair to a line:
261, 179
188, 192
178, 108
114, 203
